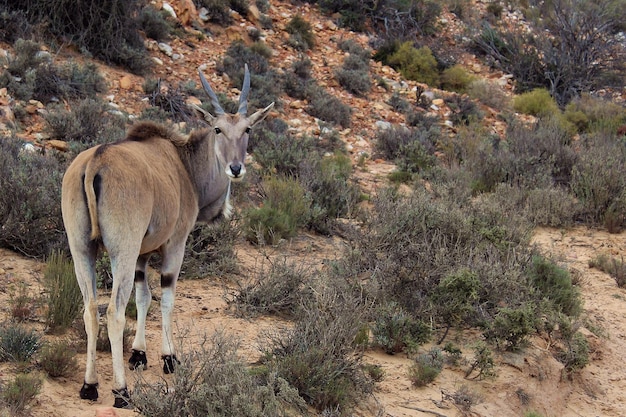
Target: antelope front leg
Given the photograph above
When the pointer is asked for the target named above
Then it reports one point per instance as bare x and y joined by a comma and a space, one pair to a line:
168, 294
172, 260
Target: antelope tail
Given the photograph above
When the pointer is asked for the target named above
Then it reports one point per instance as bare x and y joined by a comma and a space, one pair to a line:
91, 186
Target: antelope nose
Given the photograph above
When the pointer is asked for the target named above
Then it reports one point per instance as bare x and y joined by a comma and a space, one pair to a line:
235, 169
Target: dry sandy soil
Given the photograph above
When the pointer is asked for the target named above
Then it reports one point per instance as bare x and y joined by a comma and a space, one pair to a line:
532, 375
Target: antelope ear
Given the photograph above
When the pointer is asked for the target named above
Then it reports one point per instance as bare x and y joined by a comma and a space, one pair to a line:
205, 114
260, 115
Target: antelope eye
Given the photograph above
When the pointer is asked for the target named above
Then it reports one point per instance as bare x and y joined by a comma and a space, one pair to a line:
247, 130
218, 130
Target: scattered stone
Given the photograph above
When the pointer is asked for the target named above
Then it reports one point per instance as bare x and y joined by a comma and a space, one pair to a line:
125, 82
204, 14
59, 145
382, 125
169, 9
165, 48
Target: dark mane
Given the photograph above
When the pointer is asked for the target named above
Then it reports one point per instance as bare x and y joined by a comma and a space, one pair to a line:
147, 130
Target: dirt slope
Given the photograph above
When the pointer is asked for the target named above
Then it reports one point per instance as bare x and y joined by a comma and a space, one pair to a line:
530, 380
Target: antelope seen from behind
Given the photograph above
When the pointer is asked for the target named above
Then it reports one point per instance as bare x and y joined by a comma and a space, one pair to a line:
141, 195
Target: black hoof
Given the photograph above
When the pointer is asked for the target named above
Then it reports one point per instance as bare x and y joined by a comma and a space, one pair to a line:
169, 362
137, 360
89, 392
122, 398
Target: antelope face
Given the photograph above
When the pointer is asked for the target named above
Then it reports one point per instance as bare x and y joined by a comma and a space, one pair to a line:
231, 130
231, 144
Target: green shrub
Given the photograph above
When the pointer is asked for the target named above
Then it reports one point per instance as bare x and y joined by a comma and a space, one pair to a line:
298, 80
240, 6
464, 110
576, 354
70, 81
495, 9
20, 392
62, 293
415, 64
426, 368
411, 149
397, 331
329, 108
154, 23
284, 210
280, 152
511, 327
536, 103
454, 298
554, 284
544, 206
218, 11
30, 202
302, 37
213, 379
456, 78
482, 363
265, 82
354, 72
18, 344
58, 359
330, 190
592, 114
113, 36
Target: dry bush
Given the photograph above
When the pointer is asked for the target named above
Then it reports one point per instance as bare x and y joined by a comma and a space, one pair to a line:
108, 31
58, 359
275, 289
212, 379
318, 356
30, 202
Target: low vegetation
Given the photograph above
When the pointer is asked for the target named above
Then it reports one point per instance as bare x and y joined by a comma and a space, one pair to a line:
442, 247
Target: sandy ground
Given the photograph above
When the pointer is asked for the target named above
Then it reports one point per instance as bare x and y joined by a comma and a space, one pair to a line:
527, 381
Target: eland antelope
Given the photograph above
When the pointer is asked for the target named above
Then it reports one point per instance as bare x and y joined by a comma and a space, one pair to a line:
140, 195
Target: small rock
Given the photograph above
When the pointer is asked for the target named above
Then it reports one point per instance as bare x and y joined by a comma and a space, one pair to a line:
6, 114
192, 100
106, 412
254, 14
330, 25
204, 14
169, 9
125, 82
30, 148
157, 60
165, 48
59, 145
382, 125
438, 102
